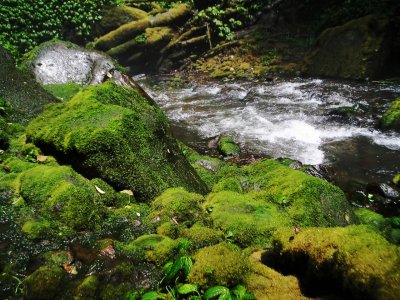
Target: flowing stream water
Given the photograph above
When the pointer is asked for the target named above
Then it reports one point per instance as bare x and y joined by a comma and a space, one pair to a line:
302, 119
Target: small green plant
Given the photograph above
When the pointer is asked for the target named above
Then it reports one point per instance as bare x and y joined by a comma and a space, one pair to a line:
141, 39
31, 156
269, 57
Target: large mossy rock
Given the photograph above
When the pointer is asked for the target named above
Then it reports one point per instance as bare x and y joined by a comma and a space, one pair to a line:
391, 118
355, 50
306, 200
355, 258
114, 133
23, 97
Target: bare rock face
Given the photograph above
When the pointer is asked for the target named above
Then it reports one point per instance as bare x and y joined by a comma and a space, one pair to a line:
358, 49
62, 62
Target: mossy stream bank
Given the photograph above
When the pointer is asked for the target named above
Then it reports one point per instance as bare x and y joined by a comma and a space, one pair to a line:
99, 201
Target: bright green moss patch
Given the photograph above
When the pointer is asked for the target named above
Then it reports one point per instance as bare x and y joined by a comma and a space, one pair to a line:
87, 288
37, 228
64, 91
355, 258
200, 236
251, 221
222, 264
63, 194
307, 201
112, 132
396, 179
153, 248
391, 118
228, 147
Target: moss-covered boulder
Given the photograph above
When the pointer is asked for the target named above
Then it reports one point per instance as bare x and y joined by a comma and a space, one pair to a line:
265, 283
63, 195
222, 264
352, 262
228, 147
391, 118
200, 236
153, 248
355, 50
306, 200
45, 283
19, 92
114, 17
250, 220
87, 288
114, 133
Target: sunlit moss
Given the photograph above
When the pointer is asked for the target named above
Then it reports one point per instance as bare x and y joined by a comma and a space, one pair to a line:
355, 258
307, 200
115, 133
222, 264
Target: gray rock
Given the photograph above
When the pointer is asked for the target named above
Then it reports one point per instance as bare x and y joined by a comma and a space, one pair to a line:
62, 62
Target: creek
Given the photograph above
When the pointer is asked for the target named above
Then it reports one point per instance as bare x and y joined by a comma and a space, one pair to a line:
314, 121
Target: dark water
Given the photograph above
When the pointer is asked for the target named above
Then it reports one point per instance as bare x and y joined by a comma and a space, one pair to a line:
299, 118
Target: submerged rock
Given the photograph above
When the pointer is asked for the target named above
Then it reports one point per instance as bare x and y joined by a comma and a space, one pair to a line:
228, 147
355, 50
114, 133
391, 118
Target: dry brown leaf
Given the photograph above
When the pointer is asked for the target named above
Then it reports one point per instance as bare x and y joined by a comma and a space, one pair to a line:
99, 190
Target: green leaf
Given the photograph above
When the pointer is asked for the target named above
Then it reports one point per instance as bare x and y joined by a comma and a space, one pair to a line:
239, 291
215, 291
153, 295
187, 288
186, 264
249, 296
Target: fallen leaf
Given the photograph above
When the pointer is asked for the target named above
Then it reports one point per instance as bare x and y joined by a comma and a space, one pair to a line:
129, 192
108, 251
70, 269
99, 190
41, 158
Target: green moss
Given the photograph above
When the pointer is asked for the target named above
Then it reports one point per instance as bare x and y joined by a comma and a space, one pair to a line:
64, 92
45, 283
60, 194
200, 236
37, 228
266, 283
396, 179
228, 147
87, 288
16, 165
58, 258
115, 291
210, 169
251, 221
153, 248
115, 133
355, 258
177, 204
308, 201
222, 264
391, 118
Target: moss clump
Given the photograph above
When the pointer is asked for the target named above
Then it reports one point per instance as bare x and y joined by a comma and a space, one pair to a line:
251, 221
355, 258
37, 228
391, 118
228, 147
87, 288
177, 204
153, 248
396, 179
45, 283
61, 194
64, 92
112, 132
308, 201
266, 283
222, 264
200, 236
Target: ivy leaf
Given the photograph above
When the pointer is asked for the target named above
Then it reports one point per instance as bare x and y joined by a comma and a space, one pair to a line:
239, 291
215, 291
187, 288
153, 295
